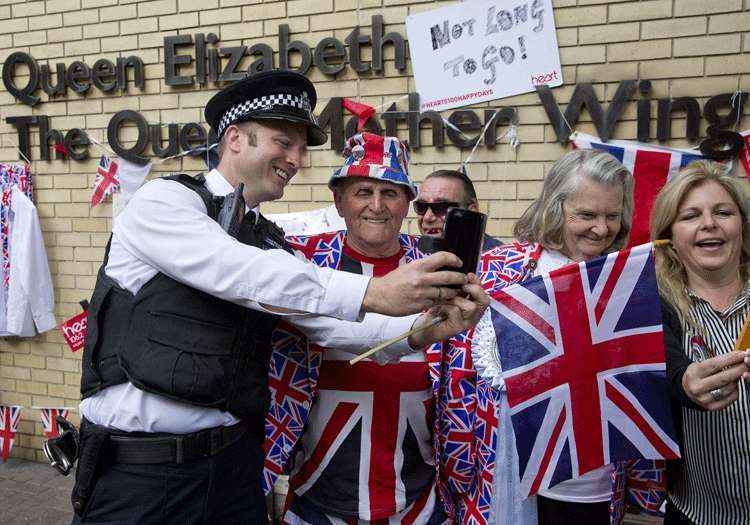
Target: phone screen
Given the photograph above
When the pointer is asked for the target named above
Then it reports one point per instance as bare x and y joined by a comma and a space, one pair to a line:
463, 235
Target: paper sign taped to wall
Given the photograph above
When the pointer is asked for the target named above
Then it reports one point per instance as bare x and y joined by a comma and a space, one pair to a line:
478, 51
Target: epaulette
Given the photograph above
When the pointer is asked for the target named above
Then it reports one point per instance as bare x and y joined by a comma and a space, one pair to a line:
197, 183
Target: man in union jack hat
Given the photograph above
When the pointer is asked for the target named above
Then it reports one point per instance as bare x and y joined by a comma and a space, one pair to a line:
360, 447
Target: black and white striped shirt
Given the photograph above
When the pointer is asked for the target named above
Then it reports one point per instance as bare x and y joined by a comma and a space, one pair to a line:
715, 484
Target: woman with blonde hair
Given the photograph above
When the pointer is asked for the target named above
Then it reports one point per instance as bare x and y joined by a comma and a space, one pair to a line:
703, 281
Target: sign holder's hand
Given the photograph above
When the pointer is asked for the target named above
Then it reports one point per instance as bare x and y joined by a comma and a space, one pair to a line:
713, 383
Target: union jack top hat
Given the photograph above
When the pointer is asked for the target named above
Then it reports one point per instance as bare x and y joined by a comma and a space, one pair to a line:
377, 157
275, 95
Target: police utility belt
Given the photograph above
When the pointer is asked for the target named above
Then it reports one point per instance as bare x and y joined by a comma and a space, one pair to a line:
143, 448
101, 445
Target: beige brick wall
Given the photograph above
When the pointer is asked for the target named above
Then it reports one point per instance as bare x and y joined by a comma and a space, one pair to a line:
686, 47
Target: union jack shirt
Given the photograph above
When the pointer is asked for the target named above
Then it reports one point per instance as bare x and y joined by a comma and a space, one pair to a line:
640, 482
363, 433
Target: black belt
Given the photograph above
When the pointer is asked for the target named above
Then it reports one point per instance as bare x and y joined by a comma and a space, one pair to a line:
172, 448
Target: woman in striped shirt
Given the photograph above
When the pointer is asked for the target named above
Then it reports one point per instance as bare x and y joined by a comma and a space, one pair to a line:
703, 280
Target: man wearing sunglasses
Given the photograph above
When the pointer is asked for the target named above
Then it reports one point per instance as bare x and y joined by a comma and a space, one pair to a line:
441, 190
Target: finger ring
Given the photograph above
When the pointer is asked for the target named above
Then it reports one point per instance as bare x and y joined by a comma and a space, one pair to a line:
717, 394
440, 294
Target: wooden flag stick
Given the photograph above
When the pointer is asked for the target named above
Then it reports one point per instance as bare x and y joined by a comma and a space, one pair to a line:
743, 340
389, 342
662, 242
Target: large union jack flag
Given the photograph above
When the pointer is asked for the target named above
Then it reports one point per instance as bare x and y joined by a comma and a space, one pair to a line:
651, 166
49, 420
9, 416
583, 361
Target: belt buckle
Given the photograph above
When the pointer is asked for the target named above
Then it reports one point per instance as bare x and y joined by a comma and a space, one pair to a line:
198, 445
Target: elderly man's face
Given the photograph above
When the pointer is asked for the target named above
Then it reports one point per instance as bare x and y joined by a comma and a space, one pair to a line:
439, 190
593, 217
373, 211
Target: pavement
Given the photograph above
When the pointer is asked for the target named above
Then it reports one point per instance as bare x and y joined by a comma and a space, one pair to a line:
34, 493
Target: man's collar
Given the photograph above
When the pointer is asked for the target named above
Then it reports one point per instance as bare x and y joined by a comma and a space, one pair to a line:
219, 186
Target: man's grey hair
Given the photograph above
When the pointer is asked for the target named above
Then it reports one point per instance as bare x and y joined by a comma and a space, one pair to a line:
544, 220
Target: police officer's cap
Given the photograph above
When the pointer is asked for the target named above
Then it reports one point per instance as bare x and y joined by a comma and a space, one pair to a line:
273, 95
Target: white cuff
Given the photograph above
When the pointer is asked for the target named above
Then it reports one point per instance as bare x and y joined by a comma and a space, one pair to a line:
45, 321
393, 327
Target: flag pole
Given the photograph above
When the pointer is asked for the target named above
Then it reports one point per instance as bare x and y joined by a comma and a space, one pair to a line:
389, 342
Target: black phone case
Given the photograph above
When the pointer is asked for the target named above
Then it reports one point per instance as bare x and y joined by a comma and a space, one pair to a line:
463, 236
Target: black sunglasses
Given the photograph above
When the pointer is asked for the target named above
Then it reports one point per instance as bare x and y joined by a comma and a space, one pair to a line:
438, 208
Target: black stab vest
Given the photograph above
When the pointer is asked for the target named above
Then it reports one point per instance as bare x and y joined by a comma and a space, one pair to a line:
181, 343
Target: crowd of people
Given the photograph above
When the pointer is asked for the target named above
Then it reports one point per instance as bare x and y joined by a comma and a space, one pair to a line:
218, 357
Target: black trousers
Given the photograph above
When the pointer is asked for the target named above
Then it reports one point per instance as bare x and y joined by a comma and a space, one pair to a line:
225, 488
554, 512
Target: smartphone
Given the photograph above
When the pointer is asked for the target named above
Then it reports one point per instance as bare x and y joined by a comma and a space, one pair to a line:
463, 235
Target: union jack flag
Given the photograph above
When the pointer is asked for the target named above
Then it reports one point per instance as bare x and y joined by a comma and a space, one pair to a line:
9, 416
583, 363
651, 166
49, 420
106, 180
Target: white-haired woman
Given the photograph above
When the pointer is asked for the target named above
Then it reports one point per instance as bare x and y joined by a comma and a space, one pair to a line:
703, 281
584, 210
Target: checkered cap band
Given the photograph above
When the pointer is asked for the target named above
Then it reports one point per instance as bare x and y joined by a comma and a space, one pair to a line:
238, 111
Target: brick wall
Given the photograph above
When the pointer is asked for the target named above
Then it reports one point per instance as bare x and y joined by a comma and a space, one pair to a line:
686, 47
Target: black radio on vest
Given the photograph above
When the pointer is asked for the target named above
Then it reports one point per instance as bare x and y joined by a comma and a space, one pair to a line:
232, 211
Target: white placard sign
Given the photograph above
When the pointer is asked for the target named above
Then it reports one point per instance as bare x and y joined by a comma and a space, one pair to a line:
482, 50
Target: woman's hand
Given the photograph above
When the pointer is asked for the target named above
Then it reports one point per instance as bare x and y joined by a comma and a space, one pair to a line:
713, 383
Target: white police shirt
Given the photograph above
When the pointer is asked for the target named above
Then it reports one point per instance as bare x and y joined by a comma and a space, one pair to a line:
165, 228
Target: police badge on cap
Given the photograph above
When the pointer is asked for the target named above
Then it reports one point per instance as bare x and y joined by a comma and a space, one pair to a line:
277, 95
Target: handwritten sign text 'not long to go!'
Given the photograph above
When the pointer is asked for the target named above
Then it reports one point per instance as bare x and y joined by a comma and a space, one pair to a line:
483, 50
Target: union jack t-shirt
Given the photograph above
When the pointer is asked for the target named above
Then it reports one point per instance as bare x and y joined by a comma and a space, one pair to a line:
366, 452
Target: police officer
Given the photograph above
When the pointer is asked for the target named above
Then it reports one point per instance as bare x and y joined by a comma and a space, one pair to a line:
174, 384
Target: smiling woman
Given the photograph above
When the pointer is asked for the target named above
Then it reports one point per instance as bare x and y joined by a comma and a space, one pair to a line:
703, 280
